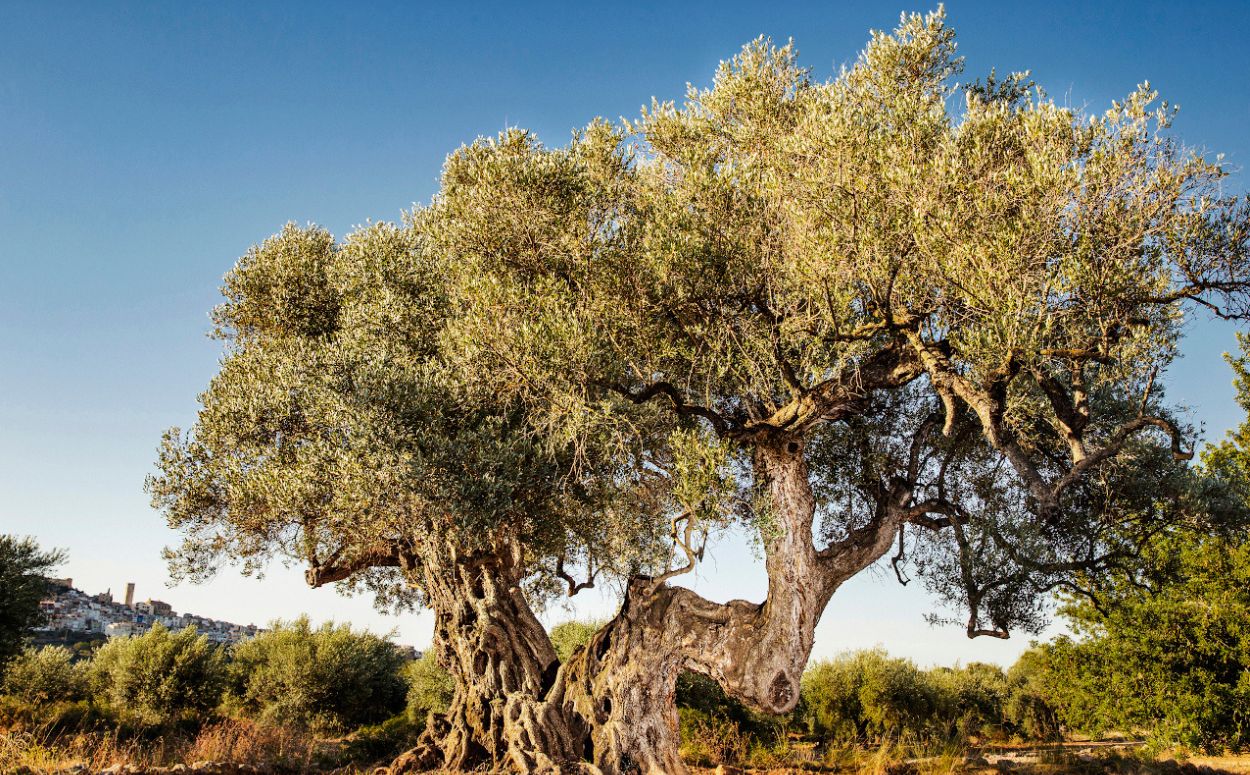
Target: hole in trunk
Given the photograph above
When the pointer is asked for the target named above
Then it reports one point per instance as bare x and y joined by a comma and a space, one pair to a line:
548, 679
602, 645
780, 692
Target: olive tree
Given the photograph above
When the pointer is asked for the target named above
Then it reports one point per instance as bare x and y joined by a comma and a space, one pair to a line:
42, 676
337, 435
886, 308
324, 678
159, 676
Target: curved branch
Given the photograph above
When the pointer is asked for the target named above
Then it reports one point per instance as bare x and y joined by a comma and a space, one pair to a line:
680, 405
388, 556
574, 585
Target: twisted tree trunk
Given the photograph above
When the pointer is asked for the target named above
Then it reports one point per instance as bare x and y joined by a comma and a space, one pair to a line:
623, 683
503, 663
614, 703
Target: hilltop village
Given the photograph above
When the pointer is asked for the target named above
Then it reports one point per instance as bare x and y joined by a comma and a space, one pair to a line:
73, 615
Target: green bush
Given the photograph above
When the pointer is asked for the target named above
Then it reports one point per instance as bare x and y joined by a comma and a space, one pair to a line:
971, 701
160, 676
1168, 660
330, 678
566, 637
430, 688
380, 742
867, 695
1030, 707
45, 676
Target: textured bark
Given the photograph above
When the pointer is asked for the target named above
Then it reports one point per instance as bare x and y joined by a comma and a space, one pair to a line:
503, 664
614, 702
623, 684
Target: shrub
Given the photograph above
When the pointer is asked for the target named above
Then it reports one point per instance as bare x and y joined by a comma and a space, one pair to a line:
430, 688
44, 676
159, 676
971, 701
566, 637
331, 678
868, 695
1030, 706
380, 742
708, 740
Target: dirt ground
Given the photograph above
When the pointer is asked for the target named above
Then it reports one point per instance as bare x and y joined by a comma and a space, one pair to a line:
1082, 758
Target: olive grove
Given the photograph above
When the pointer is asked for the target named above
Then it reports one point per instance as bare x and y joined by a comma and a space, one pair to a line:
885, 315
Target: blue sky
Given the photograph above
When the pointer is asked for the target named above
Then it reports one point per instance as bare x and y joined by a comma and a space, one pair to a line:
143, 147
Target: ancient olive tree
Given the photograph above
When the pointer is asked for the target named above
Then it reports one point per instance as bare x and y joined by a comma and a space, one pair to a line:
881, 311
887, 308
338, 436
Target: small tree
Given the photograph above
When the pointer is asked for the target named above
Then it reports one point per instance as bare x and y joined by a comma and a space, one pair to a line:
160, 676
1032, 704
868, 695
328, 678
972, 701
23, 568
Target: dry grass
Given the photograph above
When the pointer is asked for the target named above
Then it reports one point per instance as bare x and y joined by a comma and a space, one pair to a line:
287, 750
244, 742
1066, 759
226, 742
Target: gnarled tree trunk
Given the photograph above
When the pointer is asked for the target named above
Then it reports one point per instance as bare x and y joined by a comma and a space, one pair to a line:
503, 663
614, 702
623, 683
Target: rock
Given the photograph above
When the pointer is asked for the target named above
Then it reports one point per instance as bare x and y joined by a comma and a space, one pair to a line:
976, 761
723, 770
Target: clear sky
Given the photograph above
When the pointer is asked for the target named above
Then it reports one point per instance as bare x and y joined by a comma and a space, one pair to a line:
143, 147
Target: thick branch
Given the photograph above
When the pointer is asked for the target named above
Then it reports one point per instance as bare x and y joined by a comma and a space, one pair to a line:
389, 556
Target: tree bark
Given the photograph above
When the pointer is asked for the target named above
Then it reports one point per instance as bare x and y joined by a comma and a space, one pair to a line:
623, 683
503, 664
614, 702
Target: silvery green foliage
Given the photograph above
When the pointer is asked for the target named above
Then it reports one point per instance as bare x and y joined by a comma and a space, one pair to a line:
338, 434
430, 688
965, 294
328, 678
45, 675
159, 676
885, 262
